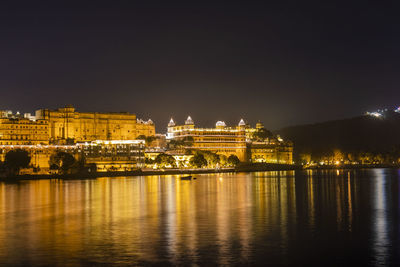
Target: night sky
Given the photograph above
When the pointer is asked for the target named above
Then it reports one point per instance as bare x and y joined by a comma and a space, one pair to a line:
289, 63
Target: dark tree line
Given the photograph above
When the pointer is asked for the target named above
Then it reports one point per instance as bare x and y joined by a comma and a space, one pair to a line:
360, 139
65, 163
14, 161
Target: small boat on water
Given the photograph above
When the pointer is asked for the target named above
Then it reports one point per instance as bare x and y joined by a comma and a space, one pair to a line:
189, 177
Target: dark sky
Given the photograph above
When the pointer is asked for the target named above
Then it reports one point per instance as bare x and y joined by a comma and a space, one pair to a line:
288, 63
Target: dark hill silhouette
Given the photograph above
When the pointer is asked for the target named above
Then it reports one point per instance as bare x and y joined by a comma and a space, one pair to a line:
354, 135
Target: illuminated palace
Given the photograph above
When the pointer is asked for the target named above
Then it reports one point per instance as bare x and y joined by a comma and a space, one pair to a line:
268, 149
75, 132
241, 140
68, 124
221, 139
109, 140
22, 130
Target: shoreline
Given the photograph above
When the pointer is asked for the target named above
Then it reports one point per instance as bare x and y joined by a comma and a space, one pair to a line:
242, 168
349, 166
95, 175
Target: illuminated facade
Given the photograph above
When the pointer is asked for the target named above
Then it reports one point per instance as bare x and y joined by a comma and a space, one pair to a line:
221, 139
68, 124
251, 131
241, 141
40, 154
115, 155
182, 160
267, 149
271, 151
145, 128
106, 139
18, 130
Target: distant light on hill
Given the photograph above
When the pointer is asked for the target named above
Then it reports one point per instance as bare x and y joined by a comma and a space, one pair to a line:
381, 113
376, 114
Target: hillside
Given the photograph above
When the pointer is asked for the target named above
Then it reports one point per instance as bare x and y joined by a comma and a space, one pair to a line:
355, 135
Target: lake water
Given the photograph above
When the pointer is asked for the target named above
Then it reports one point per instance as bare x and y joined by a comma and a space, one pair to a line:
325, 218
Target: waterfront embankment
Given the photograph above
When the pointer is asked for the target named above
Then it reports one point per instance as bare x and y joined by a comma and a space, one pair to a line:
245, 167
94, 175
351, 166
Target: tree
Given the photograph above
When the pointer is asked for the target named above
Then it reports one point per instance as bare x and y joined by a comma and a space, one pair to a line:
149, 140
148, 161
181, 143
16, 159
63, 162
141, 137
262, 134
188, 141
337, 156
211, 158
165, 161
223, 160
233, 160
198, 160
305, 158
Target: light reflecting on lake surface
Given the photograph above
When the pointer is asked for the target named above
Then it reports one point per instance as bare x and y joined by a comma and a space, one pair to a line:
336, 217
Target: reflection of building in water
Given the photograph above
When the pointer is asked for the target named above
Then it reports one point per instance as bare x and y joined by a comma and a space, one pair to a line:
381, 237
310, 196
275, 204
349, 202
340, 201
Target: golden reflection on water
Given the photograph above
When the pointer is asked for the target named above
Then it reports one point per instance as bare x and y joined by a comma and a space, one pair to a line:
218, 218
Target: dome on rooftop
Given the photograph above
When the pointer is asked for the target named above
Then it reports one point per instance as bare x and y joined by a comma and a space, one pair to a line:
242, 123
220, 124
189, 120
171, 123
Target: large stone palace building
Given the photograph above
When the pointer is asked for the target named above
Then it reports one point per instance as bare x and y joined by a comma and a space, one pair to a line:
68, 124
65, 129
271, 149
109, 139
238, 140
21, 130
221, 139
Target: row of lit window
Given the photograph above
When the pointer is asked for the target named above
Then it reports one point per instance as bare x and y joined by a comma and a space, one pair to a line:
28, 127
22, 137
31, 132
262, 150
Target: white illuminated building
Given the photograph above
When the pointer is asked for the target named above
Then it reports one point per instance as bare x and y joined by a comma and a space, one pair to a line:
221, 139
